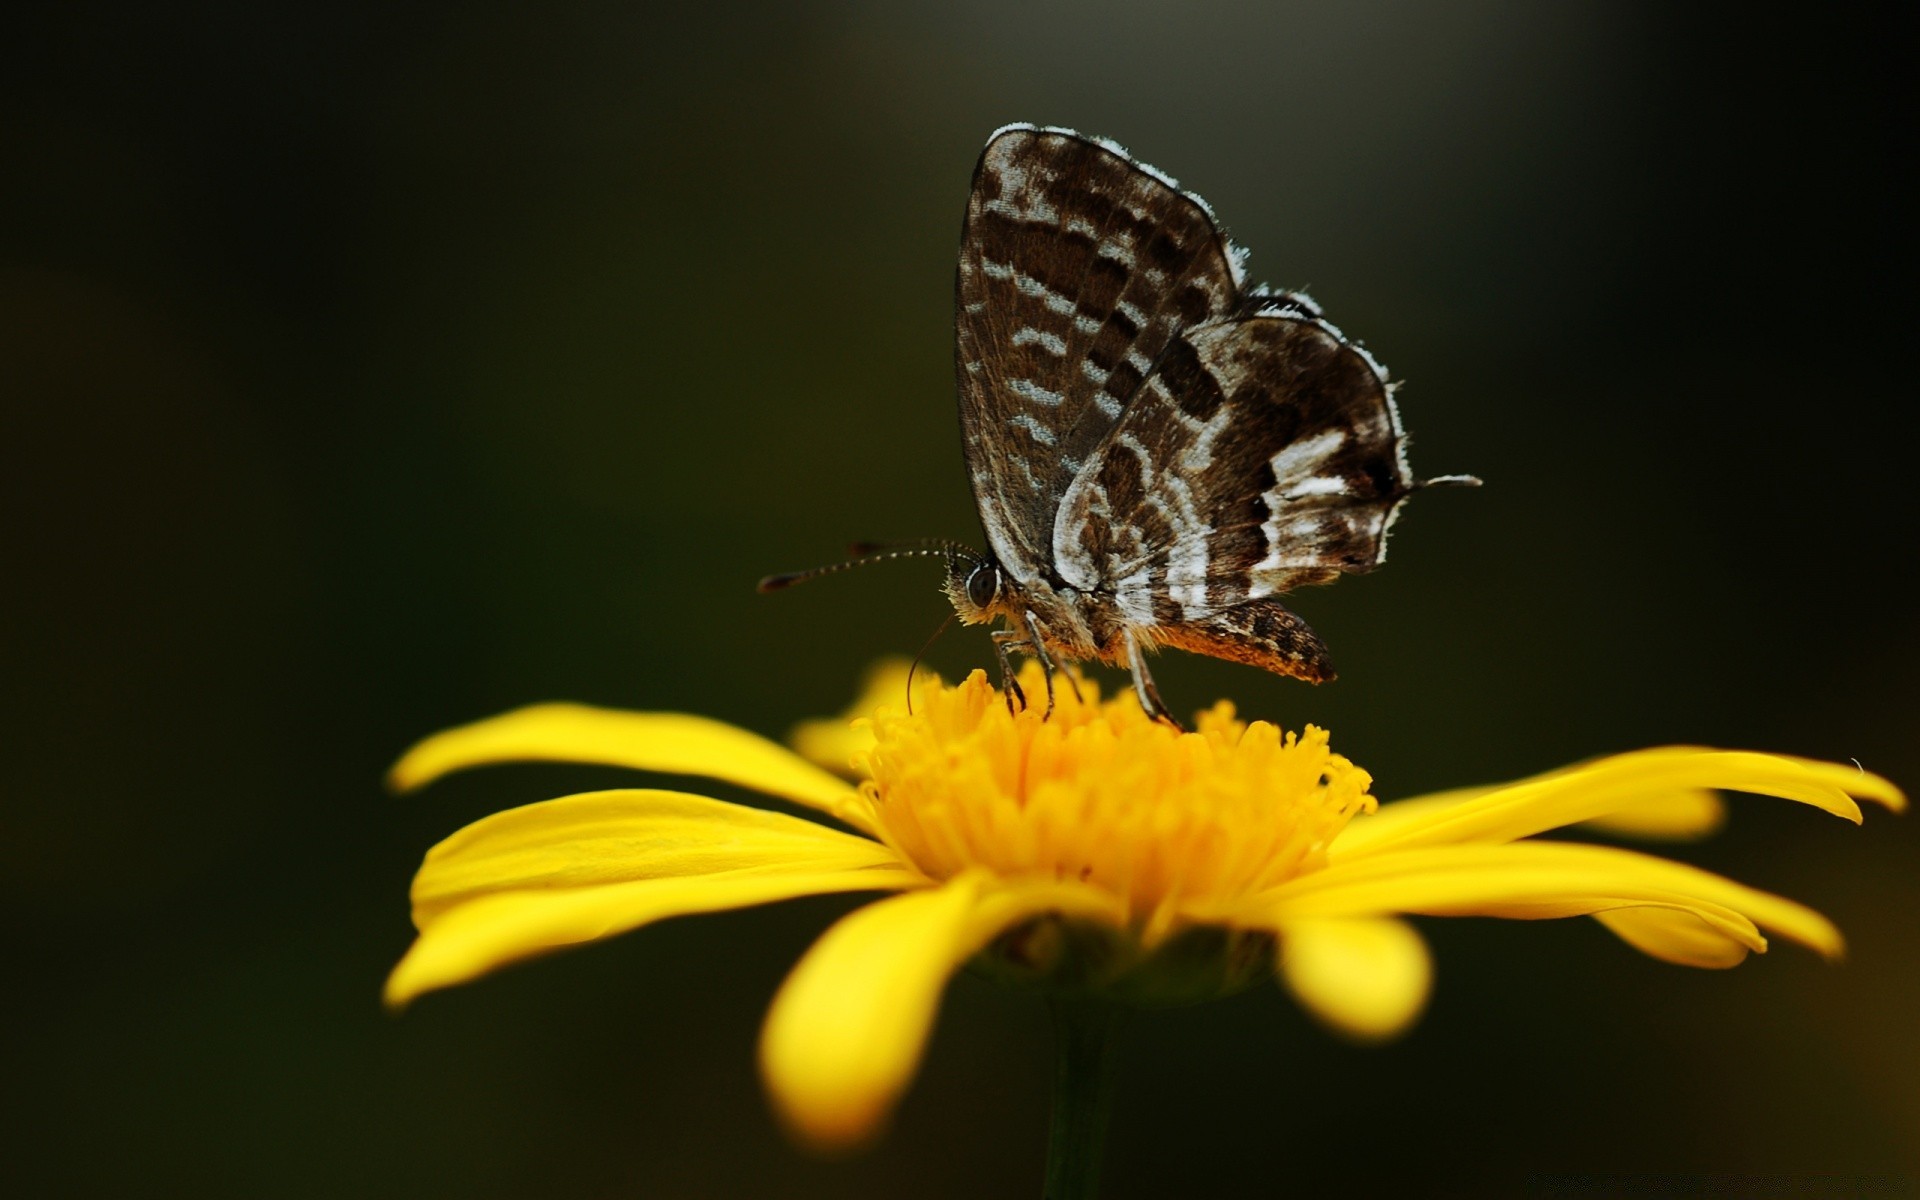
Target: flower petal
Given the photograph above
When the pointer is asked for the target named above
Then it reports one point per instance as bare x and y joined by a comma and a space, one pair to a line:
1680, 815
1671, 815
847, 1030
835, 742
671, 743
619, 836
1531, 880
476, 937
1365, 977
1682, 936
1609, 786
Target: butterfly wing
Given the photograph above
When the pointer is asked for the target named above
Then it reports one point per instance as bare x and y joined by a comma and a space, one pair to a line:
1078, 268
1262, 454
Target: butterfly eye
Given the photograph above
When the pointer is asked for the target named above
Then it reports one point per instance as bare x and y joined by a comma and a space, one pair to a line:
983, 585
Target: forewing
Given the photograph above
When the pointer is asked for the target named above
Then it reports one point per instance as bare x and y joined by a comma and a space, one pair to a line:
1078, 267
1262, 454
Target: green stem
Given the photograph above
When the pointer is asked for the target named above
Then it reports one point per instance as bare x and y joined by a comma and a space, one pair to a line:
1083, 1033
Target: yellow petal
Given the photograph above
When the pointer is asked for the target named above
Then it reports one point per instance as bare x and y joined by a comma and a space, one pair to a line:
469, 940
1531, 880
1681, 815
619, 836
1682, 936
671, 743
835, 742
1393, 819
1678, 814
1623, 782
1365, 977
847, 1030
1671, 815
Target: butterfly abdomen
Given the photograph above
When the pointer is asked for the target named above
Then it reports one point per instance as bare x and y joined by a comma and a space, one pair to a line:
1260, 633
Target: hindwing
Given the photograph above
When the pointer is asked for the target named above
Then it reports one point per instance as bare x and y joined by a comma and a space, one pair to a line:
1262, 454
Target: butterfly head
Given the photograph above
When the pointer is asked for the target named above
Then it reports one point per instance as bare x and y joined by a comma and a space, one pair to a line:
977, 586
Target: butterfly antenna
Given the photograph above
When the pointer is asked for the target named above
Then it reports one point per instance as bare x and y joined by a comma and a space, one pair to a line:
863, 549
774, 583
1449, 481
915, 666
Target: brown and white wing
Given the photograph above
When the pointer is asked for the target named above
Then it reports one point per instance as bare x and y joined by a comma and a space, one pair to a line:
1078, 268
1264, 453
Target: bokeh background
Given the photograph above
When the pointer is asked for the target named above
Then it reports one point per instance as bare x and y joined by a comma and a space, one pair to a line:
368, 369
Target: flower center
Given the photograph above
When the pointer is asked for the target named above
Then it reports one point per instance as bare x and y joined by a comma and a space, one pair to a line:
1170, 822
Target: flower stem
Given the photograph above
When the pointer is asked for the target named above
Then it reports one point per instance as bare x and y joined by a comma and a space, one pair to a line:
1083, 1033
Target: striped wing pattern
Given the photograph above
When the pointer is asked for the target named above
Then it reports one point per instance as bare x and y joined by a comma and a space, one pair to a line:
1144, 432
1262, 455
1077, 269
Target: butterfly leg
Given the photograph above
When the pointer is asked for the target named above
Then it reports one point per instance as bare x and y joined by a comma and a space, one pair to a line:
1004, 640
1143, 688
1035, 644
1039, 644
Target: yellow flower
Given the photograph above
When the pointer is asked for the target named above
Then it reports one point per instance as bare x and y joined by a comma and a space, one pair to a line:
1096, 850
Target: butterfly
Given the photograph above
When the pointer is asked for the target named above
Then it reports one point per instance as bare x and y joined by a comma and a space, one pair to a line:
1157, 450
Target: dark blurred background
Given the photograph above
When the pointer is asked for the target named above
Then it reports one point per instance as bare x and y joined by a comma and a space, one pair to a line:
370, 369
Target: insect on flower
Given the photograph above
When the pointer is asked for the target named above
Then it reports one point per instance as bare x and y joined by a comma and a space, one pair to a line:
1157, 450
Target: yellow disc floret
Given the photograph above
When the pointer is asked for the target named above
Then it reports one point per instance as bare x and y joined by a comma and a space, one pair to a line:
1098, 792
